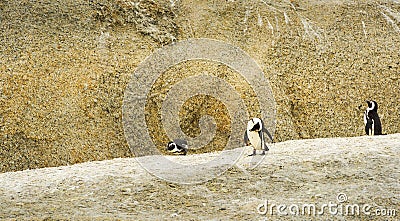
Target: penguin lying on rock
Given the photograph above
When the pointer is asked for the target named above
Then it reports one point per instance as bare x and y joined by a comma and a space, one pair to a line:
254, 135
178, 146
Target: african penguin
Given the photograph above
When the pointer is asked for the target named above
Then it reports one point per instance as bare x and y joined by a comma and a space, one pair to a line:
372, 121
254, 135
178, 146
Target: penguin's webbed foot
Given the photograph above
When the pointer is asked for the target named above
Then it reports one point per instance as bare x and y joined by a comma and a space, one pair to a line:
253, 154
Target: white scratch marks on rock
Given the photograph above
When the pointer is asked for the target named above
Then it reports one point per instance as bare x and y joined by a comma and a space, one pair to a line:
364, 29
311, 31
390, 21
270, 26
259, 20
391, 17
287, 19
245, 20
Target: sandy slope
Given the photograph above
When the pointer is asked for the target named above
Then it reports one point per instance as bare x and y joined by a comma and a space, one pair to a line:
298, 172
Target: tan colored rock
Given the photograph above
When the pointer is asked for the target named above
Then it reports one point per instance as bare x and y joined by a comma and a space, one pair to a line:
64, 66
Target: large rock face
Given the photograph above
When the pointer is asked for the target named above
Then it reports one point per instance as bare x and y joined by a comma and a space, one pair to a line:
65, 64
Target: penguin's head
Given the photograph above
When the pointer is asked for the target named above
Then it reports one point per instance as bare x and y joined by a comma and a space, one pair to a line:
372, 105
254, 124
171, 146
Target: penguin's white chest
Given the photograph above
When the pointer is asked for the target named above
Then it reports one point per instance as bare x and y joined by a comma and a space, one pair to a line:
255, 139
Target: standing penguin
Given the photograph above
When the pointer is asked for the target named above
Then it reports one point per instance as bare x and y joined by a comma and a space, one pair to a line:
372, 121
254, 135
178, 146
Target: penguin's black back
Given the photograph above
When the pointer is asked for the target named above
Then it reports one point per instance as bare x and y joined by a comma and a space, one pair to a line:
180, 143
373, 116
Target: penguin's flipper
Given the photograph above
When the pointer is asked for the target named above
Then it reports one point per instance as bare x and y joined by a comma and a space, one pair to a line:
368, 125
246, 139
268, 133
265, 130
367, 129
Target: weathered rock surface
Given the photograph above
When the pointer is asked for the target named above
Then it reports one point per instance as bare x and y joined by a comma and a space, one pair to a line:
64, 66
